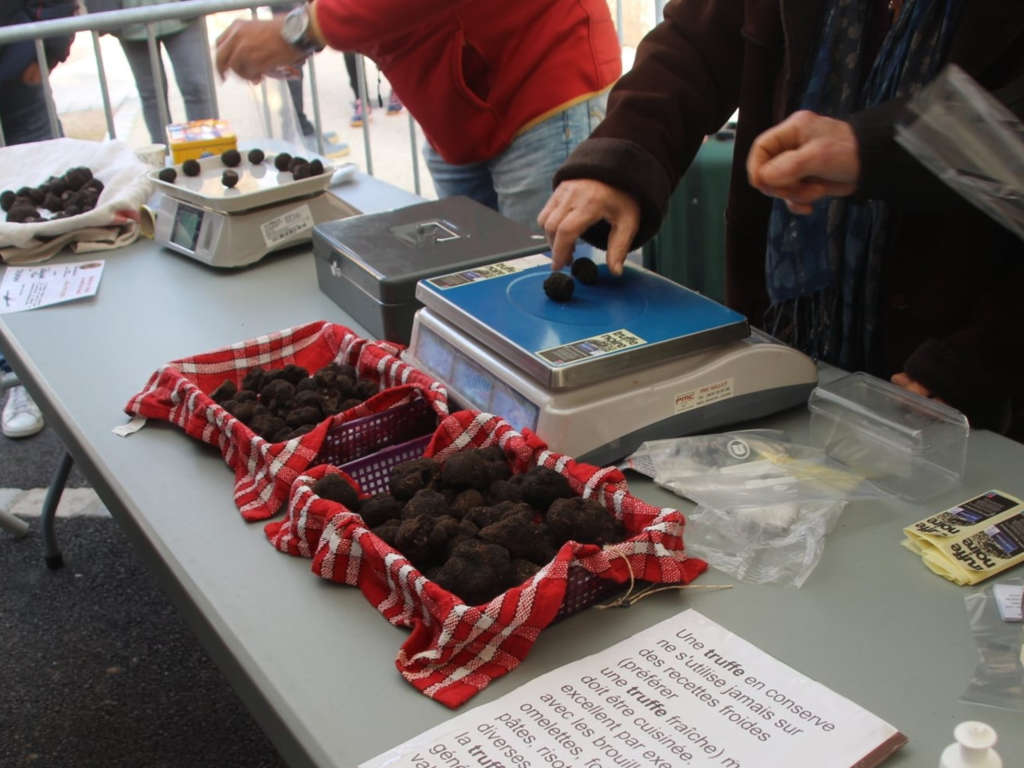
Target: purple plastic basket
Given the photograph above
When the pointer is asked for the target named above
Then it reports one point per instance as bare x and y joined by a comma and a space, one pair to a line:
582, 588
361, 437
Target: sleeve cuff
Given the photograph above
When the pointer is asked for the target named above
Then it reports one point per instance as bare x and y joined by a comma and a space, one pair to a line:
627, 166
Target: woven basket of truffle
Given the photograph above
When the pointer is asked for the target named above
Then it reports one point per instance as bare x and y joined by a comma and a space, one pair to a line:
297, 398
477, 540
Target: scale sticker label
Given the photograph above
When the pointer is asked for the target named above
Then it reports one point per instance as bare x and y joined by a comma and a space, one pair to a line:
709, 393
605, 344
287, 225
489, 271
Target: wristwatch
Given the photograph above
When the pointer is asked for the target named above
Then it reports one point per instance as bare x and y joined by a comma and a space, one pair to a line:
297, 30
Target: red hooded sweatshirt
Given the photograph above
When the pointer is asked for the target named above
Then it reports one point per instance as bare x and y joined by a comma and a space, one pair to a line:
477, 72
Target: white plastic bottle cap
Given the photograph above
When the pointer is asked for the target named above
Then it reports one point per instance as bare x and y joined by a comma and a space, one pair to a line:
973, 747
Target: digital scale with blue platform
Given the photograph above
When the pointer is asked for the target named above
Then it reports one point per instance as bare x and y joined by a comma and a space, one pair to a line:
627, 359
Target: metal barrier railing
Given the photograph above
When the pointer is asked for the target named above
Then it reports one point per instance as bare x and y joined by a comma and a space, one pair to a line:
94, 23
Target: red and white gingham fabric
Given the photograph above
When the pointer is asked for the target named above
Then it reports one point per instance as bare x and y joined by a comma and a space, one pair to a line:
455, 649
264, 472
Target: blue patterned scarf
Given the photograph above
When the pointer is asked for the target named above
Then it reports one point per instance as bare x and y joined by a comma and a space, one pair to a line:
823, 270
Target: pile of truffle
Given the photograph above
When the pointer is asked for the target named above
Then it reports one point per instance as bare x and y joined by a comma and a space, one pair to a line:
299, 167
284, 403
473, 527
69, 195
559, 286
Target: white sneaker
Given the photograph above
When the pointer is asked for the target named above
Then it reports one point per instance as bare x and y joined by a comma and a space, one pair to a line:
21, 416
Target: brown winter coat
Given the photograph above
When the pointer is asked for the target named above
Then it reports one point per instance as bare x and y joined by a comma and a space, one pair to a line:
953, 280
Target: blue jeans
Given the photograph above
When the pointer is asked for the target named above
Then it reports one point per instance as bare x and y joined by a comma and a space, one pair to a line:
23, 113
187, 51
518, 181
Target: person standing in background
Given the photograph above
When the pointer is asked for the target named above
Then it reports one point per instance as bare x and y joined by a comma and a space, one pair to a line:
838, 241
24, 118
502, 91
185, 44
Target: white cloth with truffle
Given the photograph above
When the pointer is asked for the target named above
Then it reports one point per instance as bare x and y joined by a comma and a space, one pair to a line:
112, 223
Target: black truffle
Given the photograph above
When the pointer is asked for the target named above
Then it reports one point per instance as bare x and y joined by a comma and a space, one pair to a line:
300, 171
256, 156
253, 379
364, 388
425, 502
522, 570
584, 270
467, 469
504, 490
315, 167
467, 500
190, 167
476, 571
282, 160
269, 427
484, 516
559, 287
294, 373
224, 392
7, 199
230, 157
77, 178
21, 212
301, 415
424, 539
581, 520
379, 509
336, 488
229, 178
541, 486
52, 202
526, 541
94, 183
388, 532
168, 175
295, 162
411, 476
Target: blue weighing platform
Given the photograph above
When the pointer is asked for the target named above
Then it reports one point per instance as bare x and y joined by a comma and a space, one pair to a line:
616, 325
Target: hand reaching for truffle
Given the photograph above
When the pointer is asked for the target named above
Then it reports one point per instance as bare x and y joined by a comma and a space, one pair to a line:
804, 158
253, 49
577, 204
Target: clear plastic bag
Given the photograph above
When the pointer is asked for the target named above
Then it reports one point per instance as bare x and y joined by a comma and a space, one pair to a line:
971, 141
765, 504
998, 677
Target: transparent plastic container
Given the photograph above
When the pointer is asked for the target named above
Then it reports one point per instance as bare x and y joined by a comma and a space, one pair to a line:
905, 444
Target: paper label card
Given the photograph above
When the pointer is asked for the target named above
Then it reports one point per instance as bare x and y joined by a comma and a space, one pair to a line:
686, 692
39, 286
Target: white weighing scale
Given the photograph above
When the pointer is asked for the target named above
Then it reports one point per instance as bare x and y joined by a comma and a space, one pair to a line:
628, 359
267, 210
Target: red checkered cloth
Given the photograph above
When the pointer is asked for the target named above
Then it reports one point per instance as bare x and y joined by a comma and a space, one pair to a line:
455, 649
264, 471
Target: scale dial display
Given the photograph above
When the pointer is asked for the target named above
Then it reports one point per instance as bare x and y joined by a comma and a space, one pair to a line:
185, 229
473, 383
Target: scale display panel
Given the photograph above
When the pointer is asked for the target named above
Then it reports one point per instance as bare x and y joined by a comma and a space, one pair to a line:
185, 229
617, 324
474, 385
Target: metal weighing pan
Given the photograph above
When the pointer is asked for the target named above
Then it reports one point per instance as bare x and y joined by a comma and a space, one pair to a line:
258, 185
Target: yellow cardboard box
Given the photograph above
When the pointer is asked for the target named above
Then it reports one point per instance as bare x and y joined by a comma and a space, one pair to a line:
199, 138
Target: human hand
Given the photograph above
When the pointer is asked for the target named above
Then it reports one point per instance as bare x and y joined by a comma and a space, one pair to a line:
575, 205
31, 74
902, 380
252, 49
804, 158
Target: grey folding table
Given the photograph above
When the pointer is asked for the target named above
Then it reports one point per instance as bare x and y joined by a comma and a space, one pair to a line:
314, 661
